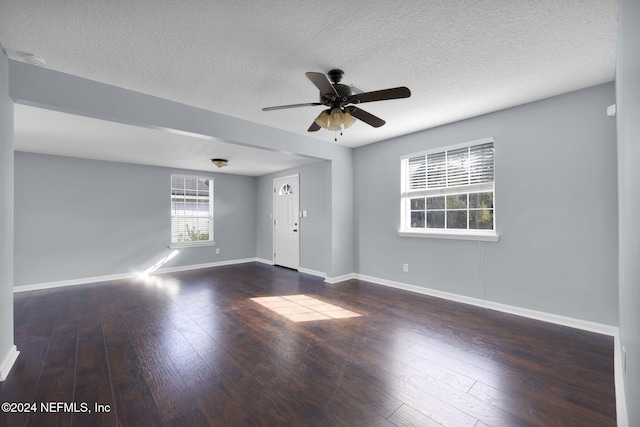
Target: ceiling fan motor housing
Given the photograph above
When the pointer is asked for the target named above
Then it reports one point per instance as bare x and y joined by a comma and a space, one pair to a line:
343, 91
335, 75
331, 100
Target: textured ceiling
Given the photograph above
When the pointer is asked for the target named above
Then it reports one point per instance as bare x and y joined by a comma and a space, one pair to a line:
459, 58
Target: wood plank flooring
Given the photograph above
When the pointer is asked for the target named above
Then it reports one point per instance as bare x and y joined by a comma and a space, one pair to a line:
192, 349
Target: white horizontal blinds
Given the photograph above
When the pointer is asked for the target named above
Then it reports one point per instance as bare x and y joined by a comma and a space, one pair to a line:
437, 170
191, 209
481, 163
451, 168
428, 171
417, 173
458, 167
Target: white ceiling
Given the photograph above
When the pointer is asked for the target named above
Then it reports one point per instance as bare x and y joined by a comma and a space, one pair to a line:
45, 131
459, 58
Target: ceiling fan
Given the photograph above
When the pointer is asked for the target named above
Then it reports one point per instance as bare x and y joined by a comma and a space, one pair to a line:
339, 98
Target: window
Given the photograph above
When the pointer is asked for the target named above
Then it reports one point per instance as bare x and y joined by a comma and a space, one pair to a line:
191, 210
449, 192
285, 189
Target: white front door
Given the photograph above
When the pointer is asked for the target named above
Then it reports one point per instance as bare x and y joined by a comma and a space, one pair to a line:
286, 229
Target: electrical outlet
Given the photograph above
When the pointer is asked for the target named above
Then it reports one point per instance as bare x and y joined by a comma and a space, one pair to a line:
405, 268
217, 250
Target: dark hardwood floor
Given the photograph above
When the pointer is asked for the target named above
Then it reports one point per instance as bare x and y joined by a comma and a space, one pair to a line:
192, 349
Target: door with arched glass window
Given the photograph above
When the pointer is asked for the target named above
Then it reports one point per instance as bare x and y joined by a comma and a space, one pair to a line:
286, 223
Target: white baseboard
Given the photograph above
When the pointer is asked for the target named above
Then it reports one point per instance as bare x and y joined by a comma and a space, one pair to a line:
133, 275
332, 280
73, 282
300, 269
312, 272
621, 400
7, 362
525, 312
206, 265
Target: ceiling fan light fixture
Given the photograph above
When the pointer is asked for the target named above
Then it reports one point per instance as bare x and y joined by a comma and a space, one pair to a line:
347, 120
334, 127
34, 59
220, 162
323, 120
336, 117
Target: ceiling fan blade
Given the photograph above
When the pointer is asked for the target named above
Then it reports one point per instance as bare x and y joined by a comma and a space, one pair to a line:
368, 118
321, 81
355, 90
314, 127
381, 95
282, 107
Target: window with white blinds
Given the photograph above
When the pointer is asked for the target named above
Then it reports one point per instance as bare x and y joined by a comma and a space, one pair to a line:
449, 192
191, 210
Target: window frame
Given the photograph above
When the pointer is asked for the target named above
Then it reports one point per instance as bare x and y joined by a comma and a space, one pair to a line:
406, 194
192, 243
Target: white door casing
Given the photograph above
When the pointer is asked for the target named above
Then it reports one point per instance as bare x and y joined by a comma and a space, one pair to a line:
286, 224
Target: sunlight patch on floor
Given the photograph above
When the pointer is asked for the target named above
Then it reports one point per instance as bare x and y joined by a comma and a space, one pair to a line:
303, 308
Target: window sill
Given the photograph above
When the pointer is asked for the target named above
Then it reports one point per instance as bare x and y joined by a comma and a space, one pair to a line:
483, 236
192, 244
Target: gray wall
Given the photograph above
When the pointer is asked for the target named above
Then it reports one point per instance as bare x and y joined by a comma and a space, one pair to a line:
45, 88
6, 210
315, 229
628, 103
79, 218
556, 211
342, 208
